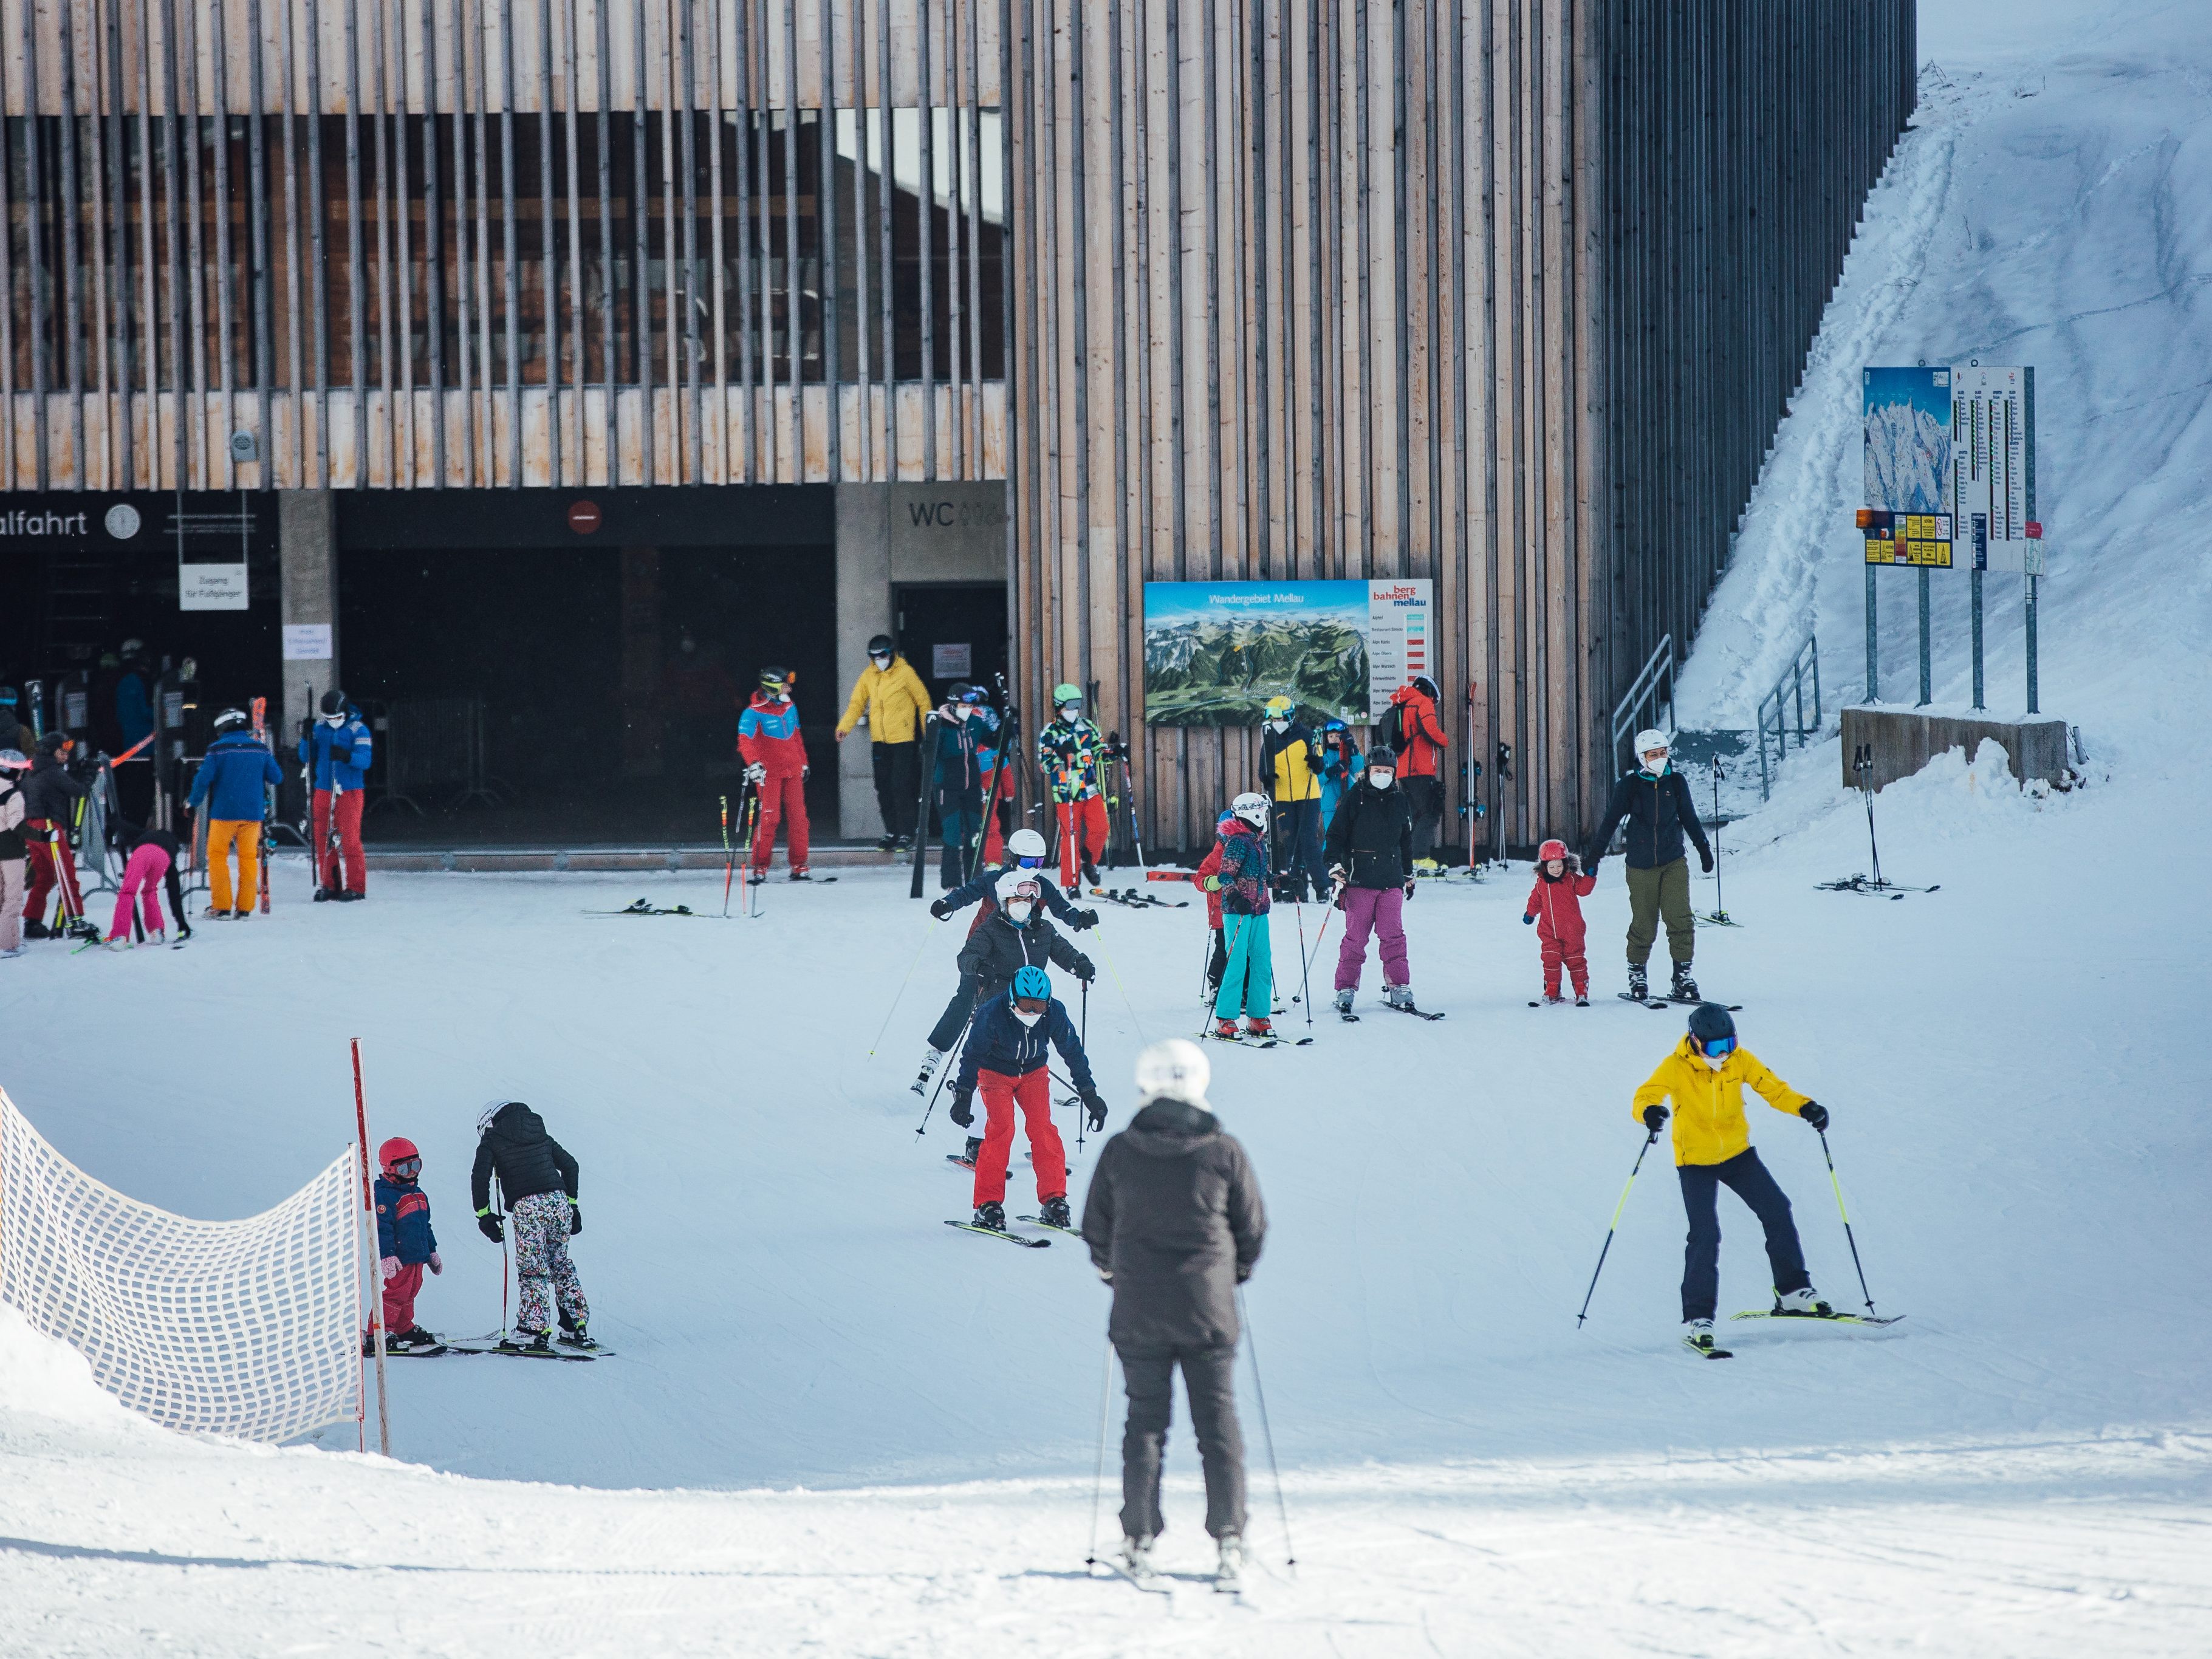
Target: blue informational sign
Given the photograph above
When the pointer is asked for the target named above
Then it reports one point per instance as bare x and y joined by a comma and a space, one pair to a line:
1907, 423
1216, 651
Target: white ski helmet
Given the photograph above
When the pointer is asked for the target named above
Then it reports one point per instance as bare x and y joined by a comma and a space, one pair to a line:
1175, 1068
1251, 808
1649, 738
1025, 844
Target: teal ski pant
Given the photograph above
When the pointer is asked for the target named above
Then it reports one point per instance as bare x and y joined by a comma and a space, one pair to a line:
1250, 980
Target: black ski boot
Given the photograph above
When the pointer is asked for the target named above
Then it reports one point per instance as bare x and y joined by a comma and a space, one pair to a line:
884, 843
1053, 1213
574, 1336
1639, 986
1686, 988
522, 1341
990, 1217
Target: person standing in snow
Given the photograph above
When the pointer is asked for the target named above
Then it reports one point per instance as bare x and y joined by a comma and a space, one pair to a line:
1248, 982
1217, 958
1175, 1223
890, 701
774, 753
230, 783
1341, 766
1555, 910
151, 856
50, 792
405, 1244
966, 728
340, 749
1705, 1076
538, 1178
1290, 771
1069, 751
1413, 730
15, 853
1654, 799
1370, 857
1006, 1060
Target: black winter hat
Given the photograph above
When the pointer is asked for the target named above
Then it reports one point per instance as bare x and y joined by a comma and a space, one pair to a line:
53, 742
1710, 1022
334, 702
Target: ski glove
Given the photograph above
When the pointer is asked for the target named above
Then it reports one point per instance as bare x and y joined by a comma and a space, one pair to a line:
1085, 919
1529, 922
1814, 1114
1409, 887
963, 1113
939, 909
1212, 884
1094, 1104
1655, 1118
1084, 970
488, 1225
575, 1218
757, 775
1705, 860
389, 1266
436, 1266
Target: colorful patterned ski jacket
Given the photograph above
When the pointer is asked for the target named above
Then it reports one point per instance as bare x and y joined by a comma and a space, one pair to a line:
1069, 752
1244, 870
402, 1221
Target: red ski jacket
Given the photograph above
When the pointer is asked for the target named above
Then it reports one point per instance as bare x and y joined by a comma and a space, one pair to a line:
767, 735
1557, 906
1211, 865
1421, 737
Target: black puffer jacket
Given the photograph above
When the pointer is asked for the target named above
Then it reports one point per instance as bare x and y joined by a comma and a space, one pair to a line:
48, 789
1173, 1215
526, 1158
1371, 836
997, 949
1660, 813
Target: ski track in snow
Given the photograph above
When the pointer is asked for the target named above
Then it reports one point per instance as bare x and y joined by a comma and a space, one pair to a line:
838, 1427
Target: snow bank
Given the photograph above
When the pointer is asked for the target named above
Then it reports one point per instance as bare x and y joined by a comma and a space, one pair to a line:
40, 1378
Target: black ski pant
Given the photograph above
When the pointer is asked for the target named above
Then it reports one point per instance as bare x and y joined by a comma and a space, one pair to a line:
1209, 1379
1426, 796
1747, 1177
898, 784
1217, 965
954, 1020
1300, 862
960, 820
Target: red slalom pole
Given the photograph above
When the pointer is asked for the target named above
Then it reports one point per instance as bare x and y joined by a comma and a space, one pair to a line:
376, 1298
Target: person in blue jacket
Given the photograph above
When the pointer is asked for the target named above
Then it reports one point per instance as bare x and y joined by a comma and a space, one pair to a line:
339, 749
1340, 766
966, 727
405, 1244
236, 769
1007, 1058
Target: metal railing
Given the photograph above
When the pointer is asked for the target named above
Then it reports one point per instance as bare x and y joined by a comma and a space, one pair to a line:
1628, 714
1782, 711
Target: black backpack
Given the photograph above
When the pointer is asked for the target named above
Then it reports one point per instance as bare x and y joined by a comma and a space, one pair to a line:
11, 841
1391, 734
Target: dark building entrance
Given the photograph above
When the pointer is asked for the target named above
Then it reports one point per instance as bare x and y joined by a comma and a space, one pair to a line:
568, 668
952, 631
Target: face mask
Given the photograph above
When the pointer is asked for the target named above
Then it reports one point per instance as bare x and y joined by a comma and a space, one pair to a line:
1019, 912
1027, 1019
334, 720
1715, 1060
1278, 727
881, 662
1381, 780
1071, 712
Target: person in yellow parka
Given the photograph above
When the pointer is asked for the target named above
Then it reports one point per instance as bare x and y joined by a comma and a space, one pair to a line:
891, 699
1290, 771
1705, 1076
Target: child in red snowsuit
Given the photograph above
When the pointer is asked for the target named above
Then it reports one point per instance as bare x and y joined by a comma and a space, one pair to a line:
1216, 961
1555, 907
404, 1243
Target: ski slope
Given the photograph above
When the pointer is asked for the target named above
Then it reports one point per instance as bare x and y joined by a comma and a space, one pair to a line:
835, 1425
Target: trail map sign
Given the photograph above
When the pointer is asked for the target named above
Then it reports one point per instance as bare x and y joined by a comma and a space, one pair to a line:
1907, 436
1215, 651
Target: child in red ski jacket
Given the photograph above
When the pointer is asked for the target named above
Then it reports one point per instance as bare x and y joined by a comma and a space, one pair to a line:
1555, 908
1217, 963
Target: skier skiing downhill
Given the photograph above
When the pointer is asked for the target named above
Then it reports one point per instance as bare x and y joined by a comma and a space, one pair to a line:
1069, 749
339, 748
774, 752
405, 1244
1006, 1059
1248, 983
1290, 771
1656, 801
1013, 936
538, 1177
1705, 1076
1555, 910
1175, 1223
1370, 856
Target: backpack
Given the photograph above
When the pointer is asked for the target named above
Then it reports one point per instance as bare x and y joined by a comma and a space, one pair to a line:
11, 841
1391, 734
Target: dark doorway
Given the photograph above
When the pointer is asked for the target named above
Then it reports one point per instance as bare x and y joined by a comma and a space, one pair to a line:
578, 694
953, 631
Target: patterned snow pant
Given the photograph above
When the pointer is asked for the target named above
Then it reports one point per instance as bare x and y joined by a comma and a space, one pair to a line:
541, 1263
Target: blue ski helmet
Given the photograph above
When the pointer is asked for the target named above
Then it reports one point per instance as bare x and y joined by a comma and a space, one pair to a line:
1033, 982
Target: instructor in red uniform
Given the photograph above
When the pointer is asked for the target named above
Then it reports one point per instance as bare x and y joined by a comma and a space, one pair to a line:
775, 765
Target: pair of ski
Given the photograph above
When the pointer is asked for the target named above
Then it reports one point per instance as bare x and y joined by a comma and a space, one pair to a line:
1012, 1238
491, 1345
1562, 1002
1245, 1040
1776, 1313
1130, 898
1156, 1583
1350, 1018
1872, 887
1673, 1001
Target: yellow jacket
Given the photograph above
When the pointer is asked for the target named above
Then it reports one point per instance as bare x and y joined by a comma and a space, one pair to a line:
1709, 1125
1286, 764
894, 699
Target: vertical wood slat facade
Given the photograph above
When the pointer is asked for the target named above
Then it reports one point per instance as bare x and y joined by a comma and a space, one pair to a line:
1505, 294
361, 231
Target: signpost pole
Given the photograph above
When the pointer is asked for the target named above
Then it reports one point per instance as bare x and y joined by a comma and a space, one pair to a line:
1927, 668
1873, 650
1976, 576
2032, 707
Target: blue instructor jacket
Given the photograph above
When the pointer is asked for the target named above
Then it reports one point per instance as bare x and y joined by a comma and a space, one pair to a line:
344, 750
231, 777
999, 1042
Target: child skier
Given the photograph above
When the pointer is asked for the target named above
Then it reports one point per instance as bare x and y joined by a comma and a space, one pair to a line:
1341, 766
538, 1177
1242, 880
404, 1245
1216, 961
1705, 1078
152, 855
1006, 1057
1555, 910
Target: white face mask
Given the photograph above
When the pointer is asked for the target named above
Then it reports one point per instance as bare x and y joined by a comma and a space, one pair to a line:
334, 720
1278, 727
1381, 780
1019, 911
1715, 1061
881, 661
1027, 1019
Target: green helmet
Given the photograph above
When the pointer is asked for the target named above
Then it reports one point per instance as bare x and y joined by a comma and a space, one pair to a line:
1063, 694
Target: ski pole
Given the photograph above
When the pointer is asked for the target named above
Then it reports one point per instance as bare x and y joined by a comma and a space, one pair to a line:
943, 1070
1266, 1429
1305, 977
1083, 1041
1319, 937
901, 992
1099, 1475
1118, 986
729, 855
1720, 905
1866, 1294
1650, 1141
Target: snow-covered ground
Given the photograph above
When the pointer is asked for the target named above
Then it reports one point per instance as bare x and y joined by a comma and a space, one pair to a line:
837, 1426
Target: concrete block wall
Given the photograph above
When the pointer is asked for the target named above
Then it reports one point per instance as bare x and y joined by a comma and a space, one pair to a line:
1904, 740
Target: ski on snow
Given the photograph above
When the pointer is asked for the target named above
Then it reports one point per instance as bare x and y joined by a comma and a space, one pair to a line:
647, 907
1408, 1008
1560, 1002
993, 1232
1825, 1318
555, 1353
1039, 1221
1130, 898
1698, 1002
1706, 1354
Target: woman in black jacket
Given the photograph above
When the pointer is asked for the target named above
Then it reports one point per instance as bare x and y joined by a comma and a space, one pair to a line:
1655, 800
1370, 857
538, 1178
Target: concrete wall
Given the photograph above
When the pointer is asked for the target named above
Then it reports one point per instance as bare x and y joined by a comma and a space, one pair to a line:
1904, 740
307, 554
892, 533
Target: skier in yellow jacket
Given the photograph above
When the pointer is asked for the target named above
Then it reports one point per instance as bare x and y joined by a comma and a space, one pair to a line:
1705, 1076
890, 698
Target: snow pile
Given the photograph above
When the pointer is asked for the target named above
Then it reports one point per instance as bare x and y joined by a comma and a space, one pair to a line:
44, 1379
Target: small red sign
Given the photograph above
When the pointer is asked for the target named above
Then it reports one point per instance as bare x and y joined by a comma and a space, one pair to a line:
584, 517
2035, 530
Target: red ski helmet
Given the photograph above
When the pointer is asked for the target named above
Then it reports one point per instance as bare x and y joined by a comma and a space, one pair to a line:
1550, 850
395, 1149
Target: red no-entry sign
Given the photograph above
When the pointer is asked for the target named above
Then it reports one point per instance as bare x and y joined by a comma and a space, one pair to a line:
584, 517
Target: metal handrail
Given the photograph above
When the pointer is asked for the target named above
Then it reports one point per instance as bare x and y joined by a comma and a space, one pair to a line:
1629, 713
1786, 699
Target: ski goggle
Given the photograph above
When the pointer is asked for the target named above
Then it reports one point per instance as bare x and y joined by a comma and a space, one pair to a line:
1718, 1047
1031, 861
972, 695
406, 1168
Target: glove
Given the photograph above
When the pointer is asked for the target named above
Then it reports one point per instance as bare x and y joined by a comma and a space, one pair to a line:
1243, 1273
389, 1266
343, 757
1655, 1118
489, 1225
1591, 863
1106, 1275
1529, 922
1094, 1104
1212, 884
1814, 1114
575, 1218
806, 772
1084, 970
436, 1266
1084, 919
1705, 860
939, 909
1410, 885
757, 775
963, 1113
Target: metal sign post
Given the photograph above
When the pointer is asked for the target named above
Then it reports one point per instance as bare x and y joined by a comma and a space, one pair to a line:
1873, 648
1927, 667
1906, 419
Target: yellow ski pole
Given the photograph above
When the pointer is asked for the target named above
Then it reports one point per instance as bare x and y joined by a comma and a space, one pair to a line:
1650, 1141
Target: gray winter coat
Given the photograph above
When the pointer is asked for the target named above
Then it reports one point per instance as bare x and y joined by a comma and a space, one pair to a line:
1174, 1218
